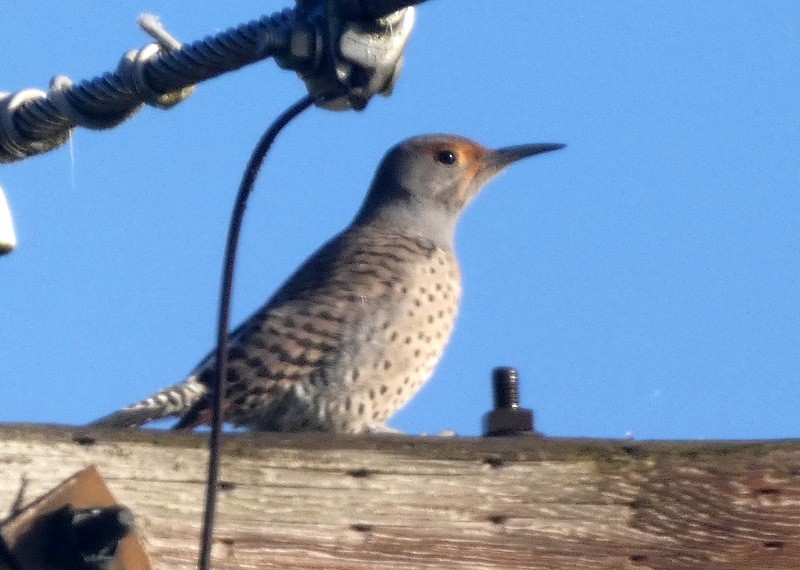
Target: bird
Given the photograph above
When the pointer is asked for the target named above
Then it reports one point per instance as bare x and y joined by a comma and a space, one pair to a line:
357, 330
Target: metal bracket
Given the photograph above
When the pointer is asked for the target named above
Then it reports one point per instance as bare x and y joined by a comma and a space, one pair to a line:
76, 526
331, 52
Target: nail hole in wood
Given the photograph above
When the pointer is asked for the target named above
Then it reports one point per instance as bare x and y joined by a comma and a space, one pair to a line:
494, 461
359, 473
773, 544
84, 440
639, 503
362, 527
634, 451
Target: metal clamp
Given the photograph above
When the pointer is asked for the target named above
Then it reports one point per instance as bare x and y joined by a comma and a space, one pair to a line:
332, 52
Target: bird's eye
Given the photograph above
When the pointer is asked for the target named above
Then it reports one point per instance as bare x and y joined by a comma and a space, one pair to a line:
446, 156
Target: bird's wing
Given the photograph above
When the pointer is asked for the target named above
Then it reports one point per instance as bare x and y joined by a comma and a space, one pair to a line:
307, 331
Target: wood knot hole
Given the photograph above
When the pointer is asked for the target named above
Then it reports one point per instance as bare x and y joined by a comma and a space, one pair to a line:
773, 544
360, 473
768, 491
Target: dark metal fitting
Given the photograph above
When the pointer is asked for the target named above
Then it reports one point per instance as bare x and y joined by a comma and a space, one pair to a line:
332, 50
87, 539
507, 417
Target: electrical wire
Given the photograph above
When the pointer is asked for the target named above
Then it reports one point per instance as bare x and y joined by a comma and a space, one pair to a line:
220, 384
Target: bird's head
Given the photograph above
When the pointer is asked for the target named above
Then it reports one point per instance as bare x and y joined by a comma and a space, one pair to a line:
424, 183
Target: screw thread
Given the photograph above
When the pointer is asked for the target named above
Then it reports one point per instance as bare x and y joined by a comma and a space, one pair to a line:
505, 381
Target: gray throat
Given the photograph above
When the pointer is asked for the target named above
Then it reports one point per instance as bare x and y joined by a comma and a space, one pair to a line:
409, 217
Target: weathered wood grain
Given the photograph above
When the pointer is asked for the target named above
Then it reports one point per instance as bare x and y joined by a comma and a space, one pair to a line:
404, 502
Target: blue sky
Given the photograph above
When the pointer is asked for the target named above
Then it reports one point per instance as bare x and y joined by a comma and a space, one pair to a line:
644, 280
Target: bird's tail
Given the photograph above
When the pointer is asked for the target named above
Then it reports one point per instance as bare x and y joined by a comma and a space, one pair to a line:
173, 401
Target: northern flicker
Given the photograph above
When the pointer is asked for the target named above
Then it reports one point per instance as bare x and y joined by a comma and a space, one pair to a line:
358, 329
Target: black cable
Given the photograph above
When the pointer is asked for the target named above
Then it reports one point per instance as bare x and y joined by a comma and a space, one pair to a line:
219, 389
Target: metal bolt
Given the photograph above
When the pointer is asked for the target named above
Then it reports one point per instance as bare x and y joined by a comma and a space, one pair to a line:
506, 387
507, 418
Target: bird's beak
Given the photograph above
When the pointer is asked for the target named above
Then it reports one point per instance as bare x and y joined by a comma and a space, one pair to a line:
497, 160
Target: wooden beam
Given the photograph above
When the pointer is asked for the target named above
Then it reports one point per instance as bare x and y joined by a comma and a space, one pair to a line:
319, 501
